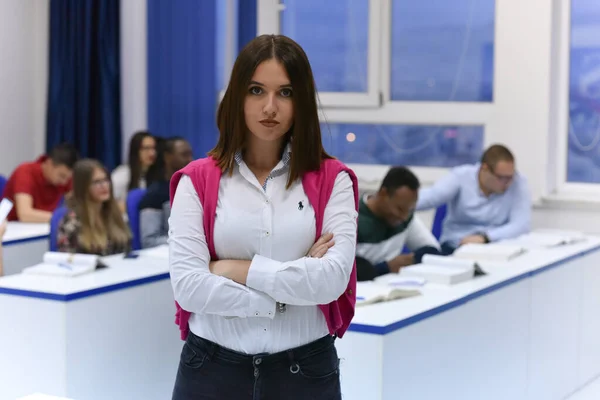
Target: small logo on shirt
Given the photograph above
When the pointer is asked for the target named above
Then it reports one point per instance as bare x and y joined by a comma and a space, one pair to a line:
300, 206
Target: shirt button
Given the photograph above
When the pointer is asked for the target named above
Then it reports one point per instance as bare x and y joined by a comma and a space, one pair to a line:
267, 233
257, 313
267, 201
270, 313
258, 361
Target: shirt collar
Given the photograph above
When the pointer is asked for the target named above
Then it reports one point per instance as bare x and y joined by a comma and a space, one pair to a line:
285, 158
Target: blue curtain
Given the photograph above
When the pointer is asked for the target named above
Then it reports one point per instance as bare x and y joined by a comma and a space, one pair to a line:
246, 22
181, 71
84, 106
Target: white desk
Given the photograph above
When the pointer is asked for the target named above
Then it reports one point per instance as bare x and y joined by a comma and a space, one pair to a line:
529, 330
105, 335
24, 245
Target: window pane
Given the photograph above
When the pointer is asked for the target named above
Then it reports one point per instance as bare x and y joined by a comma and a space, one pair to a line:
583, 159
442, 50
334, 35
425, 146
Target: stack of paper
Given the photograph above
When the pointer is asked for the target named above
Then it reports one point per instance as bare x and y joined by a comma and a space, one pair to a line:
489, 252
370, 292
442, 270
64, 264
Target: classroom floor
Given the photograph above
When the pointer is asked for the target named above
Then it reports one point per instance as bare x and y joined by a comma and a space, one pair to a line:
590, 392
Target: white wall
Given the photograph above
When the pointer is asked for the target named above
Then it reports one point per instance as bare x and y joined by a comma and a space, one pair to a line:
23, 80
133, 70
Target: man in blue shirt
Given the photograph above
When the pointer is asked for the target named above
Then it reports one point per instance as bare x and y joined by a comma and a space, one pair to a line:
486, 202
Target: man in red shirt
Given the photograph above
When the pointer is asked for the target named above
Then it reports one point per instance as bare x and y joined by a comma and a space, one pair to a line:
36, 188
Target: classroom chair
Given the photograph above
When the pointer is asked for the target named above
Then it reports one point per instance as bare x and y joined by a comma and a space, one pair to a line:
57, 216
2, 184
438, 221
133, 214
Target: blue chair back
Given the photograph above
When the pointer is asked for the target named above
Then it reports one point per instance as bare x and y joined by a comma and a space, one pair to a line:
133, 214
438, 221
2, 184
57, 216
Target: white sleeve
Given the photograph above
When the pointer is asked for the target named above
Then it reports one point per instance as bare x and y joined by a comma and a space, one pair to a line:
120, 181
196, 289
418, 235
311, 281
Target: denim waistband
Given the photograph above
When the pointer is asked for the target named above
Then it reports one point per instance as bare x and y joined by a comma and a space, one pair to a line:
288, 356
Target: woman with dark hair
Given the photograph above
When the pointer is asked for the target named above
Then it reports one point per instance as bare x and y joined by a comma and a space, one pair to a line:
142, 153
94, 224
262, 238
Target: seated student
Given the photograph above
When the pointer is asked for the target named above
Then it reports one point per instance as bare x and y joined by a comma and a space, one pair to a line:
486, 202
386, 223
36, 188
2, 232
94, 224
142, 153
155, 208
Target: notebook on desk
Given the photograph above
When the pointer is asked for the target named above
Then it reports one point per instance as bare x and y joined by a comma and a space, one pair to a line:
371, 292
65, 264
547, 238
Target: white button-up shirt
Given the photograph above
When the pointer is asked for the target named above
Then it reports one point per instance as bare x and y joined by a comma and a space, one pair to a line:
274, 228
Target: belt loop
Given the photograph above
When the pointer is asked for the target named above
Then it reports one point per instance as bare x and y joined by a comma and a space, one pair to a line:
211, 350
294, 367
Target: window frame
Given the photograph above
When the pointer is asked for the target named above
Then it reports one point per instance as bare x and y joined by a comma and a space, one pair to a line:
561, 43
528, 107
269, 22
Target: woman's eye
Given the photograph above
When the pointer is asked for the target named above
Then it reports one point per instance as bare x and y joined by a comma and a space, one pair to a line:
255, 90
286, 92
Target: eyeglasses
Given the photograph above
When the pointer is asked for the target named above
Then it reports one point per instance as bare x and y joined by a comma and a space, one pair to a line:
100, 182
501, 178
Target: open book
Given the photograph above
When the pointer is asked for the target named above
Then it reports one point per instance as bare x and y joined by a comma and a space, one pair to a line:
489, 252
547, 238
65, 264
443, 270
370, 292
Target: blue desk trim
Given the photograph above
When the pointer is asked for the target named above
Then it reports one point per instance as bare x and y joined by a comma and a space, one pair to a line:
25, 240
384, 330
85, 293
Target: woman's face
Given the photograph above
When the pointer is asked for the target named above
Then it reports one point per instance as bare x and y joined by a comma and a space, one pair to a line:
147, 152
100, 186
268, 107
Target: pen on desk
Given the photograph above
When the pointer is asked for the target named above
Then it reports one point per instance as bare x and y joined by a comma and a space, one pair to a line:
67, 266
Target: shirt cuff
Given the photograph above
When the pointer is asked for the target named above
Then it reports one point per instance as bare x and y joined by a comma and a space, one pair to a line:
261, 305
382, 268
261, 274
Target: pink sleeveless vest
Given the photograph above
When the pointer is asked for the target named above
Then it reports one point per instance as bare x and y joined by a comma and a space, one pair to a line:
318, 185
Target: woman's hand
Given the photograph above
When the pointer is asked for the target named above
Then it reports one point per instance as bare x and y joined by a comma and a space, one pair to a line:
319, 249
236, 270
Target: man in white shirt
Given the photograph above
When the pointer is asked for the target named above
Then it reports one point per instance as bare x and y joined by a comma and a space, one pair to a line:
386, 223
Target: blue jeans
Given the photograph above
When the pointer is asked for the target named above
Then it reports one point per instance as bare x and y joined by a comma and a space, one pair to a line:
209, 371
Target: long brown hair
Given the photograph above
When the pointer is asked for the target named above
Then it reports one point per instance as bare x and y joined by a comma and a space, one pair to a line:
305, 133
96, 229
135, 166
